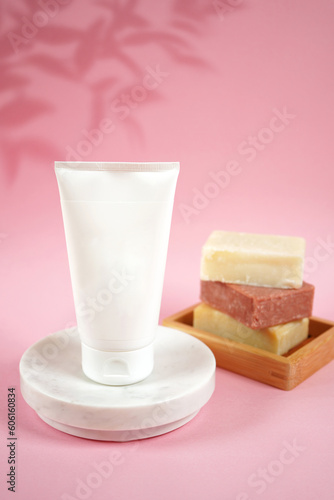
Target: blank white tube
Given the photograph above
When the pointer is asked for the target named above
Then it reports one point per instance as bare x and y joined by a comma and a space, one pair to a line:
117, 220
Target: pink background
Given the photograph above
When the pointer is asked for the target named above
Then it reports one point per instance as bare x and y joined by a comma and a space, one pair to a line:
223, 70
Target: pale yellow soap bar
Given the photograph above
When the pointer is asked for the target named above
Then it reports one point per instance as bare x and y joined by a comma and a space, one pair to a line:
277, 339
253, 259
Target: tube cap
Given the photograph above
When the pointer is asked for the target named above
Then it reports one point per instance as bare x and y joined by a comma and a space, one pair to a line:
117, 367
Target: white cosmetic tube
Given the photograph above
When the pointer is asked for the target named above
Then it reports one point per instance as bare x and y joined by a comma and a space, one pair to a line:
117, 220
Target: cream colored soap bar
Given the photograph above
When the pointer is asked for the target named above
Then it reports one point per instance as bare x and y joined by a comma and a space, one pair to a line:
253, 259
277, 339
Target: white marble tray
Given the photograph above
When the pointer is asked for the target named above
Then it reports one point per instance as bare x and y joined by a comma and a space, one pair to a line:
54, 385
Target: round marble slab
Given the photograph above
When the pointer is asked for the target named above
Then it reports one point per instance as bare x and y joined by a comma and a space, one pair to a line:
54, 385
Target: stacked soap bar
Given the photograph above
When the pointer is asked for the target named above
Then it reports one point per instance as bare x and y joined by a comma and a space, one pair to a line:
253, 259
278, 339
257, 306
252, 290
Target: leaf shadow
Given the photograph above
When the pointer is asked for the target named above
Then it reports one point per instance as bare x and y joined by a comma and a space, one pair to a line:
16, 154
109, 39
22, 110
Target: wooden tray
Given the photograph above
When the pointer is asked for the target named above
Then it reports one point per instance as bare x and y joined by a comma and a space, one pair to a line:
284, 372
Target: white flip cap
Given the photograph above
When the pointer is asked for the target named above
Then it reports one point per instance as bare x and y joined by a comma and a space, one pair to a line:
117, 367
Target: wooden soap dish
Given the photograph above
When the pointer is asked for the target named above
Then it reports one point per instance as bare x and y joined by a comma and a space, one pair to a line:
284, 372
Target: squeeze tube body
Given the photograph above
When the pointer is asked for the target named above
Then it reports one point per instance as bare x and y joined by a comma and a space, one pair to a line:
117, 220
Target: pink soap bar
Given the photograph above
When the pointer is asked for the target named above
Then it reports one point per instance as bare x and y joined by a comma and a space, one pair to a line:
256, 306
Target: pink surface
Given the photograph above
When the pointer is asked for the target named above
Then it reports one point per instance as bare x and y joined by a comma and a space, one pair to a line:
240, 92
